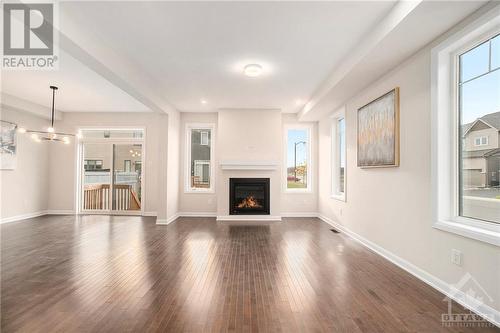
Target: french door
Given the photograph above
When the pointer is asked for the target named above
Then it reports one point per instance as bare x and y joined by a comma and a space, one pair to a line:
111, 177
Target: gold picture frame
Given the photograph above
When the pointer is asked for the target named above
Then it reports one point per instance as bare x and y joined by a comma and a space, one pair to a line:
378, 132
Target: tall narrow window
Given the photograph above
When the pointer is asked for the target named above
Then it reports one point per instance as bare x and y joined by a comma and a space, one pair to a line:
338, 156
199, 158
479, 114
298, 173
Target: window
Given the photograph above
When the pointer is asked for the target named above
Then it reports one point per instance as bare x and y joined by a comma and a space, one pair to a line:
338, 156
298, 173
204, 138
92, 165
479, 113
481, 141
199, 154
465, 104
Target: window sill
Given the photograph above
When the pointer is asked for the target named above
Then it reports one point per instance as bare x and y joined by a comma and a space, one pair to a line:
470, 228
199, 191
298, 191
339, 197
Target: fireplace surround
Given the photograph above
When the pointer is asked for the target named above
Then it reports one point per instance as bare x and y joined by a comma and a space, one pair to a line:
249, 196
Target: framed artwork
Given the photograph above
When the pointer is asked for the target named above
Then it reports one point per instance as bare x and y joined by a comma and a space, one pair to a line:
8, 145
378, 132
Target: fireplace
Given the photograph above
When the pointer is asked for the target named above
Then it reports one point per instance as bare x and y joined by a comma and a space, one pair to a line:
249, 196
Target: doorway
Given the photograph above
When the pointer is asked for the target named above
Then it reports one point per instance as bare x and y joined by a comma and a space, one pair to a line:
111, 172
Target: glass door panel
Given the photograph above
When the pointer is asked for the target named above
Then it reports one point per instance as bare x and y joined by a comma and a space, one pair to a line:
97, 164
127, 161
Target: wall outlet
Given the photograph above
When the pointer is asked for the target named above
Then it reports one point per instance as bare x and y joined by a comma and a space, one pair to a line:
456, 257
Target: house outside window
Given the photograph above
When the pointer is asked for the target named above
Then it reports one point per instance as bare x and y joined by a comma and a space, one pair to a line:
199, 162
479, 170
465, 105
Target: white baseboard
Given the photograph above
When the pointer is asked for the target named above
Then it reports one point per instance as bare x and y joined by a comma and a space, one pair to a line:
197, 214
22, 217
251, 218
149, 214
300, 214
60, 212
458, 296
167, 221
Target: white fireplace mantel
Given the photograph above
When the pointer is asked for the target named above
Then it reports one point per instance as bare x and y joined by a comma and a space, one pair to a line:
249, 165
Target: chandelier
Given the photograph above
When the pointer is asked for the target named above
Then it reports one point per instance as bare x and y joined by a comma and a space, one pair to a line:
50, 134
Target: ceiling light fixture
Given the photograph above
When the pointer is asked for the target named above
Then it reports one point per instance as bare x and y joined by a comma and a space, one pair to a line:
252, 70
50, 134
203, 101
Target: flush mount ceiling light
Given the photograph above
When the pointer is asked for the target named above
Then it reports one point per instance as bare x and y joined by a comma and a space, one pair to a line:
50, 134
203, 101
252, 70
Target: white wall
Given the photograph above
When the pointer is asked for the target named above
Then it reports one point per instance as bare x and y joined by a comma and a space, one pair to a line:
62, 172
298, 203
249, 135
173, 164
391, 207
25, 190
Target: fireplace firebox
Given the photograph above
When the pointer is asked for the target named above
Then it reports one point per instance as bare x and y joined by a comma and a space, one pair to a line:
249, 196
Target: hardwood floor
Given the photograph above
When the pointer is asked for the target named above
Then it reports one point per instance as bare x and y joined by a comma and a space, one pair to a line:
99, 273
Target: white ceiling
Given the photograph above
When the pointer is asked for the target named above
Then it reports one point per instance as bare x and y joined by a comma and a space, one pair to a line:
163, 55
80, 89
196, 50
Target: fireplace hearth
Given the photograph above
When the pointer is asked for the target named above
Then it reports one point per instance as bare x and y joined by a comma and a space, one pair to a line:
249, 196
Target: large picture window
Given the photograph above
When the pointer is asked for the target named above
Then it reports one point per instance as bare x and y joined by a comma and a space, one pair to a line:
298, 168
479, 117
465, 130
199, 143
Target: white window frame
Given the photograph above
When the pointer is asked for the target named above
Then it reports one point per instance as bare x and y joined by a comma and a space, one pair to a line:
335, 160
309, 187
478, 141
444, 129
187, 152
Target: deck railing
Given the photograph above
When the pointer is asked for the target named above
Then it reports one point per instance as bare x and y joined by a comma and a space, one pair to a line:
97, 197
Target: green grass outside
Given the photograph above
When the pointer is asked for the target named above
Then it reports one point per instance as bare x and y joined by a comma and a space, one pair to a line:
292, 184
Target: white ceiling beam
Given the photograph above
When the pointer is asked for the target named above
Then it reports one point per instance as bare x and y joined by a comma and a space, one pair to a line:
397, 15
111, 66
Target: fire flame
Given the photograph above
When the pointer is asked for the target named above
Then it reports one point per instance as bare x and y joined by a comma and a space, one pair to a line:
249, 202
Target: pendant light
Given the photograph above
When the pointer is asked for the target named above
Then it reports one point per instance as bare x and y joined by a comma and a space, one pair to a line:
50, 134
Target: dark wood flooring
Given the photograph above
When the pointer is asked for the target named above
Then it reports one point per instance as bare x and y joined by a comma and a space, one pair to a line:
117, 274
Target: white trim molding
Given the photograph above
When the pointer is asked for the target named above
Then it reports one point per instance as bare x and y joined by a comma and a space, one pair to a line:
197, 214
448, 290
336, 192
187, 153
445, 136
310, 168
150, 214
300, 214
250, 218
249, 165
169, 220
60, 212
22, 217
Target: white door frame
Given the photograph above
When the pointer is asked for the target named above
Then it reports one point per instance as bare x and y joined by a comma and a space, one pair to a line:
111, 142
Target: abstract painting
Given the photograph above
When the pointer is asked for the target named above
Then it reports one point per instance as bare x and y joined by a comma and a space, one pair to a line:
8, 145
378, 132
